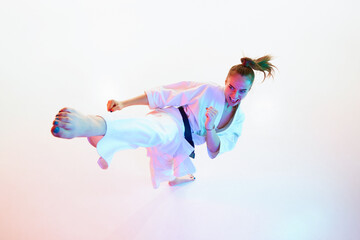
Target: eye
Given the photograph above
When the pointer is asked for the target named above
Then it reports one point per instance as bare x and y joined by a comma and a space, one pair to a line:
243, 91
231, 87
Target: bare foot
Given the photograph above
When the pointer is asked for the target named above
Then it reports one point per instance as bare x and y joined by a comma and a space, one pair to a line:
69, 123
180, 180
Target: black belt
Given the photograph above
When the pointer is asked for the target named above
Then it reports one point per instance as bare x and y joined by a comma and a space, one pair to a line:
187, 133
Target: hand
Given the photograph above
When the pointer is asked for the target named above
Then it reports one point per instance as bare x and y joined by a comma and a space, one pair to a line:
114, 105
211, 114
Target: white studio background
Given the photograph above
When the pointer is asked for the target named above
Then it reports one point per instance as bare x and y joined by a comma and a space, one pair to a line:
294, 174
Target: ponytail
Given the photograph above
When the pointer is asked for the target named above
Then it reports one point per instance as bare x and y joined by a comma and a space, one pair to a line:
248, 65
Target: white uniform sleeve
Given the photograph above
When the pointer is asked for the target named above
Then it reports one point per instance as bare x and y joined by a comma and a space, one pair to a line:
178, 94
229, 137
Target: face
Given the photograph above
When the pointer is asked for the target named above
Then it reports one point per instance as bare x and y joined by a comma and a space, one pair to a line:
236, 88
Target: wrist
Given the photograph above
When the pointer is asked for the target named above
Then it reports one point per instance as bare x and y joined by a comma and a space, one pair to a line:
124, 103
210, 129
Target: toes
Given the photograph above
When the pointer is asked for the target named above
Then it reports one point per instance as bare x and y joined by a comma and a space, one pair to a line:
66, 109
62, 114
61, 124
63, 119
60, 132
55, 130
65, 112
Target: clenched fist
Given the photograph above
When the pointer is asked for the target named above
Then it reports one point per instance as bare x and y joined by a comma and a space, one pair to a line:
211, 114
114, 105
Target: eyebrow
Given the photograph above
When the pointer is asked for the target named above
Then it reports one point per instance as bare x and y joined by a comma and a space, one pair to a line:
239, 89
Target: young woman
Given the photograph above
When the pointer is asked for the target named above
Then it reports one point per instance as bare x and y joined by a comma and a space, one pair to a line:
184, 114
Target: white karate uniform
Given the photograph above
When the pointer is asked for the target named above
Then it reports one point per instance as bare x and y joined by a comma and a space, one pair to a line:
161, 131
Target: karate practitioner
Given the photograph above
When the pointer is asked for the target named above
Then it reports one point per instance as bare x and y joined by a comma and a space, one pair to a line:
184, 114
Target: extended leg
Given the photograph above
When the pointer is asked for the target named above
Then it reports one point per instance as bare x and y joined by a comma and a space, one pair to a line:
70, 123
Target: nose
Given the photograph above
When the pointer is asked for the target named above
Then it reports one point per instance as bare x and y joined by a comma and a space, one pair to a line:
235, 95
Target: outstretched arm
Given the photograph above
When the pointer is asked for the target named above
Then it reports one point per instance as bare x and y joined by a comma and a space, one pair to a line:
114, 105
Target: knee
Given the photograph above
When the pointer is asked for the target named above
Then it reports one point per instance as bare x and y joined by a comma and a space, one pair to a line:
94, 140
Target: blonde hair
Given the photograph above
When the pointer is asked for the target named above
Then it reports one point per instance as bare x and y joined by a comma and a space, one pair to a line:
248, 65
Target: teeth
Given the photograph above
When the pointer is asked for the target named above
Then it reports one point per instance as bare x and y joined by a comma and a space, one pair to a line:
233, 101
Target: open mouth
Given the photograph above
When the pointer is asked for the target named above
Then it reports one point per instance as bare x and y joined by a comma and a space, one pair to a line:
233, 101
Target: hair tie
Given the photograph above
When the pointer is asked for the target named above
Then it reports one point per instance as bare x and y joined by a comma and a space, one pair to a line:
244, 62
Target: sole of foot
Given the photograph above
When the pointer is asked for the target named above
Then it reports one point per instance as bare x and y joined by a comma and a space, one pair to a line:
67, 123
70, 123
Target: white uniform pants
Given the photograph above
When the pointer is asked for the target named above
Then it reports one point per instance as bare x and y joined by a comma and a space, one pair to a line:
161, 132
